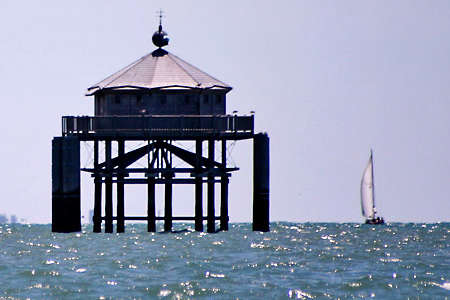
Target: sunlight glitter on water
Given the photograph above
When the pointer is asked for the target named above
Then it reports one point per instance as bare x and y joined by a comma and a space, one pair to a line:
299, 261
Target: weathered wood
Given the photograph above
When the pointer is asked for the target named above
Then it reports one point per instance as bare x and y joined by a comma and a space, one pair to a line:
261, 161
211, 226
224, 191
198, 189
168, 207
97, 218
120, 190
108, 190
151, 207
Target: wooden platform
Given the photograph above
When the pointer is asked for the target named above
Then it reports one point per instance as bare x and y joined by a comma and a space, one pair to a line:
113, 172
153, 127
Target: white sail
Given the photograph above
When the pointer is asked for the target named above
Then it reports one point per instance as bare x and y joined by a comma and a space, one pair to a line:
367, 193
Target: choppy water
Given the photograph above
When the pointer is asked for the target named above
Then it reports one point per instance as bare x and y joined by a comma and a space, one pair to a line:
298, 261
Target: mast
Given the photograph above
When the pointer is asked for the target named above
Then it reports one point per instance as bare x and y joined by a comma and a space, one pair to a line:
373, 185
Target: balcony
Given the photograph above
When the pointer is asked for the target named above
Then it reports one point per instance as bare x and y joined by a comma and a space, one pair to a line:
146, 127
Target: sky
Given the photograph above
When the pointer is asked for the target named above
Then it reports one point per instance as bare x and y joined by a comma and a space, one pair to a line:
328, 80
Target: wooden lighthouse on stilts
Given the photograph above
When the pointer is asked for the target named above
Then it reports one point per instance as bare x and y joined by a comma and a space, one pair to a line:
158, 99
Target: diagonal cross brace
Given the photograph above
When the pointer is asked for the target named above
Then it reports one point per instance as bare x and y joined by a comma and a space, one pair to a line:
129, 158
191, 158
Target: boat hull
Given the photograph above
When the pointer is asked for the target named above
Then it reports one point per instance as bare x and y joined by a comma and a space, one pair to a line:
375, 221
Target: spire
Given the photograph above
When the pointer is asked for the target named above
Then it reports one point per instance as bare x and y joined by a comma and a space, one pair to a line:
160, 38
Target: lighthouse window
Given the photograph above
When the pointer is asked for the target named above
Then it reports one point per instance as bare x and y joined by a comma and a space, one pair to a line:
218, 99
205, 99
139, 99
117, 99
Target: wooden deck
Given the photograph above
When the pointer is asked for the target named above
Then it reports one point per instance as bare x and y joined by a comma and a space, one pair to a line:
147, 127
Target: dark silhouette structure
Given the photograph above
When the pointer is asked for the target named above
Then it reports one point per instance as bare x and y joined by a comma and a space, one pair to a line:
158, 99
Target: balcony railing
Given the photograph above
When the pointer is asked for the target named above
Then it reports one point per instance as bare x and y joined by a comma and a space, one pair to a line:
157, 124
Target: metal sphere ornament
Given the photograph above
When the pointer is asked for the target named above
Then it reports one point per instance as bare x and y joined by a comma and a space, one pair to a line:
160, 38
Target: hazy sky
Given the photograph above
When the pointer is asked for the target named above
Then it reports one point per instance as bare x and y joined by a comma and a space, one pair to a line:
328, 80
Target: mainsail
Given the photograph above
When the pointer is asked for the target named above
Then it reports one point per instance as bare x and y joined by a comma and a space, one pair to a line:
367, 192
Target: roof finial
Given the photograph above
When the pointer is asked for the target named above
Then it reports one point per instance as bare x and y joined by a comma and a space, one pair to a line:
160, 19
160, 38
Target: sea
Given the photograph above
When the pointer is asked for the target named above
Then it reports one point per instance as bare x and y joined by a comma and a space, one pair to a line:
292, 261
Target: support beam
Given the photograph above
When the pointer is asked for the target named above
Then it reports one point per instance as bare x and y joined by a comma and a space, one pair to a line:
161, 170
189, 157
130, 157
198, 189
108, 190
161, 180
177, 218
184, 155
261, 159
224, 191
151, 207
168, 207
211, 227
120, 190
97, 218
66, 204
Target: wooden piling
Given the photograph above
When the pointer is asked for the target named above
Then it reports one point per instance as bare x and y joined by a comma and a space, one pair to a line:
211, 227
97, 218
151, 207
224, 190
108, 189
168, 205
261, 182
120, 190
198, 188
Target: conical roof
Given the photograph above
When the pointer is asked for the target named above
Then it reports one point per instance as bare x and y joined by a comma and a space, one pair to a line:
159, 70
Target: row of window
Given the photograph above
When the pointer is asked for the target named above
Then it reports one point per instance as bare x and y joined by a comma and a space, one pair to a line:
163, 99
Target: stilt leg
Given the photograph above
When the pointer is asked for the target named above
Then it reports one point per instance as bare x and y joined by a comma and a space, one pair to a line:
211, 227
97, 219
108, 190
224, 191
120, 191
198, 190
168, 206
151, 224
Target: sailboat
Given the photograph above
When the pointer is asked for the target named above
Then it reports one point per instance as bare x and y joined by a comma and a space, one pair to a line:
368, 195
